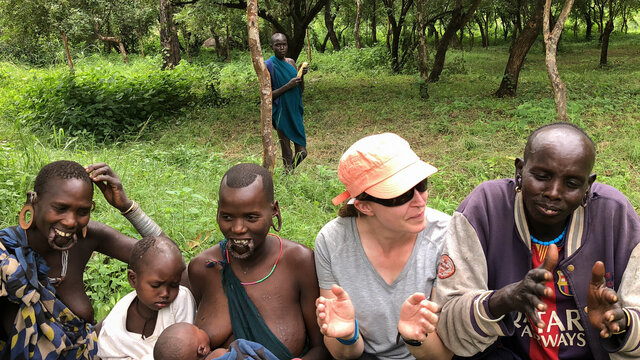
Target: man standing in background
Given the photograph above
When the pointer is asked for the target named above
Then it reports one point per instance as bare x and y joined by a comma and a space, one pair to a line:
287, 113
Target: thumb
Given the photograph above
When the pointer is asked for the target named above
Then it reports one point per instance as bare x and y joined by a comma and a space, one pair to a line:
339, 292
597, 274
551, 259
416, 298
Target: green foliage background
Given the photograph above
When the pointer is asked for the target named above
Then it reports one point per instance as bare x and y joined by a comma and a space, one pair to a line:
206, 119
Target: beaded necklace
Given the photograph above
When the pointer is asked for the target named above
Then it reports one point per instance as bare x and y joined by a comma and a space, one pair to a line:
554, 241
270, 272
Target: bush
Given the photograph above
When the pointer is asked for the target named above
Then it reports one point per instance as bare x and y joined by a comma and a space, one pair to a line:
110, 104
351, 60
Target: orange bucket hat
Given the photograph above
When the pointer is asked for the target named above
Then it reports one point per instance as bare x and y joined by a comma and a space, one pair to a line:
383, 165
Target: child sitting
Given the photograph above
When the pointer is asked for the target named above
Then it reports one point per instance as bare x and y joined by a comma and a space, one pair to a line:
184, 341
133, 326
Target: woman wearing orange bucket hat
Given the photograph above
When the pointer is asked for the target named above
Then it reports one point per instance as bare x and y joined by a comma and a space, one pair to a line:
377, 262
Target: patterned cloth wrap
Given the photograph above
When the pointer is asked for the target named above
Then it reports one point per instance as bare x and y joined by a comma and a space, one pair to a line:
44, 327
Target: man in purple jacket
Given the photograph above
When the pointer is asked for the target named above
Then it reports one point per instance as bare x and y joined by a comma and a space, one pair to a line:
544, 266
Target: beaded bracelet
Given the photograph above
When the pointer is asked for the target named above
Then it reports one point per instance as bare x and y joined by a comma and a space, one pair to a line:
353, 339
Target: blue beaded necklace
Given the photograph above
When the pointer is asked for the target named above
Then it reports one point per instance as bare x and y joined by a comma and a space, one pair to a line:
547, 243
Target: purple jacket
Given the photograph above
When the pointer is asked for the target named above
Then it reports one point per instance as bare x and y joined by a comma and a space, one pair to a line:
488, 247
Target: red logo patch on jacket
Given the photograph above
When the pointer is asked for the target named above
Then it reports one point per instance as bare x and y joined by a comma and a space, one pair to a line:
446, 267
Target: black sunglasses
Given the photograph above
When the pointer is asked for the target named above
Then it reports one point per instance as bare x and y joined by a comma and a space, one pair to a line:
422, 186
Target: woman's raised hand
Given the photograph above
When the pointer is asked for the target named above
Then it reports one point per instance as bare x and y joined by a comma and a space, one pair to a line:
417, 317
109, 183
336, 316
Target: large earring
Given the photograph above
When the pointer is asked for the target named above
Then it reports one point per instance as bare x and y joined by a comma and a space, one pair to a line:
585, 199
84, 232
27, 208
279, 223
93, 206
518, 183
22, 219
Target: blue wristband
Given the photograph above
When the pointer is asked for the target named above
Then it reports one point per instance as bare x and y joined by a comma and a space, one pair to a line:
353, 339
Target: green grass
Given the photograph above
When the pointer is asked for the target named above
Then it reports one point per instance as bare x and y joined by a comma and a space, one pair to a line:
174, 167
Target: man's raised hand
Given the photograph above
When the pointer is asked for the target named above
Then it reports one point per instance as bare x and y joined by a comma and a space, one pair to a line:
526, 295
604, 309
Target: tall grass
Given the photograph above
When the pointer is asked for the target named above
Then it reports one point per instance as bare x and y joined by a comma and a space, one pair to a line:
173, 168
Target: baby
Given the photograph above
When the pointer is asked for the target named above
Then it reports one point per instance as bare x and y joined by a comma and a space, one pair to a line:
184, 341
132, 328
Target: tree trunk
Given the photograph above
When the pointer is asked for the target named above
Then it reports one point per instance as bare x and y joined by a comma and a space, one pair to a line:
422, 42
374, 25
483, 35
227, 44
65, 41
388, 37
505, 27
141, 46
600, 22
458, 20
308, 46
527, 37
123, 52
323, 47
625, 19
268, 148
485, 19
395, 29
588, 23
112, 40
328, 22
608, 29
551, 39
168, 36
185, 35
356, 27
436, 34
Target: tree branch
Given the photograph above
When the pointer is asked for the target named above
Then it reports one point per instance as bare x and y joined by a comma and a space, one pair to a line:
261, 13
182, 3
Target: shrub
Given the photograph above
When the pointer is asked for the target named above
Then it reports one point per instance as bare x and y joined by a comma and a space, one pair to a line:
351, 60
110, 104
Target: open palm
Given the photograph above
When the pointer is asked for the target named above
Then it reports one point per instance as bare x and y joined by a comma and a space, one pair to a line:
336, 316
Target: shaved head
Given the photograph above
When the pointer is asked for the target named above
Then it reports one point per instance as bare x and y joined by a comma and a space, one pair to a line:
278, 36
563, 133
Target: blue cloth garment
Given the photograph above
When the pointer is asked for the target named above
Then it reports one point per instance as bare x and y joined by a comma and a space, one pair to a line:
44, 327
287, 109
247, 350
